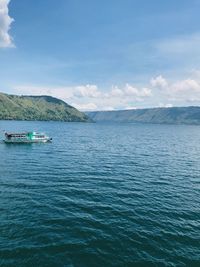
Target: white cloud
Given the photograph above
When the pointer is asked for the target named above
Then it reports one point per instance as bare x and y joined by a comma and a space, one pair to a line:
185, 91
115, 92
129, 91
133, 91
130, 107
188, 85
159, 82
5, 23
85, 107
168, 105
90, 97
87, 91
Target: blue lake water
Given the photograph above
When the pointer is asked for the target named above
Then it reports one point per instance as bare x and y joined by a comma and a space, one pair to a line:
101, 195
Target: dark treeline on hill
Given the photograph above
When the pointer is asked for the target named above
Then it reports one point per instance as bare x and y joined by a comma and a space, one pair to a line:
47, 108
174, 115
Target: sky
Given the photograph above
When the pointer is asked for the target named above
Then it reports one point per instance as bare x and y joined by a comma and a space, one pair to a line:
102, 55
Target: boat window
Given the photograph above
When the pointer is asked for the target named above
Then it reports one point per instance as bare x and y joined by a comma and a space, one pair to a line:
39, 136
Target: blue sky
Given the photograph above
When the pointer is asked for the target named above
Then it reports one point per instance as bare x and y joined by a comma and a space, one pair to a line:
100, 55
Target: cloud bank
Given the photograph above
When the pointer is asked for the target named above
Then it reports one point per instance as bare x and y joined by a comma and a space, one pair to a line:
5, 24
159, 92
180, 91
90, 97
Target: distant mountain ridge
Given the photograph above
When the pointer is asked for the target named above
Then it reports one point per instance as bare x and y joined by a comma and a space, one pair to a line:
47, 108
172, 115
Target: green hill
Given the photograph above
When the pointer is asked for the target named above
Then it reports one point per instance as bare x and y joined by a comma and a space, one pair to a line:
174, 115
47, 108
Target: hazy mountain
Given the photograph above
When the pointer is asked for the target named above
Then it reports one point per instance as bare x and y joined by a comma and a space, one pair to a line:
13, 107
174, 115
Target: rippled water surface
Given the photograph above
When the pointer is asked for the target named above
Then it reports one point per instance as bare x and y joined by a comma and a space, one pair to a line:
101, 195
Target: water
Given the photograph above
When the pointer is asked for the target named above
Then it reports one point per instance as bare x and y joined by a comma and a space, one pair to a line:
101, 195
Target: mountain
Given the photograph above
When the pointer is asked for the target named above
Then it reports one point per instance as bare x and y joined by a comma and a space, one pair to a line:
47, 108
174, 115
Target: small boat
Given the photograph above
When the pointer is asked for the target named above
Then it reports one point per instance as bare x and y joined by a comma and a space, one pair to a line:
27, 137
